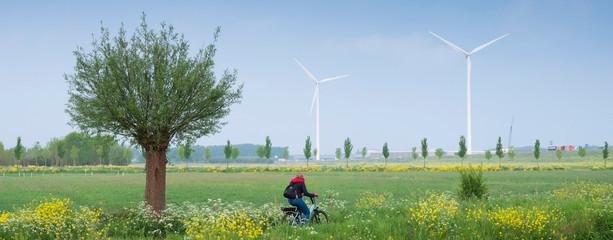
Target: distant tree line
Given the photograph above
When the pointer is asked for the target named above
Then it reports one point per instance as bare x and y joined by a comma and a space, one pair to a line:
75, 149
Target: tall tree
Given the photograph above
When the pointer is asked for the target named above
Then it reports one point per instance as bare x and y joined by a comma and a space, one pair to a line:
228, 152
424, 149
181, 152
537, 151
439, 153
127, 155
511, 152
348, 149
207, 153
364, 151
260, 152
104, 143
559, 154
267, 149
61, 151
462, 150
285, 152
488, 154
4, 159
307, 149
414, 154
19, 150
99, 150
235, 153
3, 156
386, 153
605, 153
499, 151
187, 152
46, 156
148, 89
582, 152
35, 153
315, 152
338, 153
74, 155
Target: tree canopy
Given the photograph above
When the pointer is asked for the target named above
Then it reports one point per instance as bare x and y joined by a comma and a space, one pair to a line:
285, 152
207, 153
499, 151
605, 153
307, 149
348, 147
488, 154
386, 153
147, 89
537, 151
338, 153
19, 149
424, 149
439, 153
267, 147
462, 151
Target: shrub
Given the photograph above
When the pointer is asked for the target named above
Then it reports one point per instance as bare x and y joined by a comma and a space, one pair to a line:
51, 219
536, 222
432, 217
472, 183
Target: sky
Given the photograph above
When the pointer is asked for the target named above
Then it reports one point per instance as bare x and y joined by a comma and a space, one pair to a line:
552, 74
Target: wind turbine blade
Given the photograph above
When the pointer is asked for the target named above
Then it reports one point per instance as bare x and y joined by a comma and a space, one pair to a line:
315, 96
451, 44
485, 45
333, 78
307, 71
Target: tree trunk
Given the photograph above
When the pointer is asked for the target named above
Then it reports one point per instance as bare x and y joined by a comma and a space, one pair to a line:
155, 185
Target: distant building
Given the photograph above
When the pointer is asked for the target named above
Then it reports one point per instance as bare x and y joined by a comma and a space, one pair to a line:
563, 148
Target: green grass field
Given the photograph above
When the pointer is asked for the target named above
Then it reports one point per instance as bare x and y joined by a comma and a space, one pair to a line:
574, 203
113, 192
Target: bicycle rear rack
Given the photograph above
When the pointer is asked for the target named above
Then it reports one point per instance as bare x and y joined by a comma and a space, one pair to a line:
288, 209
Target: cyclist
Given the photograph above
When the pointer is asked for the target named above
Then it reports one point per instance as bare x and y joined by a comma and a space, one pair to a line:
301, 190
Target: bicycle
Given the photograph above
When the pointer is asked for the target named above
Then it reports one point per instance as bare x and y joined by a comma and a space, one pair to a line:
293, 216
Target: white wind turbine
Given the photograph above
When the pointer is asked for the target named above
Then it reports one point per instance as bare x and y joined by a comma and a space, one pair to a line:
316, 97
467, 54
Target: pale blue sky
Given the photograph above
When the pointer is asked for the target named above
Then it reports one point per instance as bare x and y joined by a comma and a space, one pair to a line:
553, 72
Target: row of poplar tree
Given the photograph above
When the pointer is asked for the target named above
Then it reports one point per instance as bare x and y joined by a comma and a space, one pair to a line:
439, 151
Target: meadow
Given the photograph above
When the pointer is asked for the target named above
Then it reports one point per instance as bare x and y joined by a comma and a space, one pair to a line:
572, 200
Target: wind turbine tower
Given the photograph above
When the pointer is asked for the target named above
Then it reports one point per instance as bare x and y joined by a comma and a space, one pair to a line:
510, 132
467, 54
316, 98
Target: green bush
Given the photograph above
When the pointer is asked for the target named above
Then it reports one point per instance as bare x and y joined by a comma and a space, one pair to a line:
472, 183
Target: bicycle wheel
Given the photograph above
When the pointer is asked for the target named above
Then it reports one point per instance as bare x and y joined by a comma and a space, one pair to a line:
319, 217
289, 219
